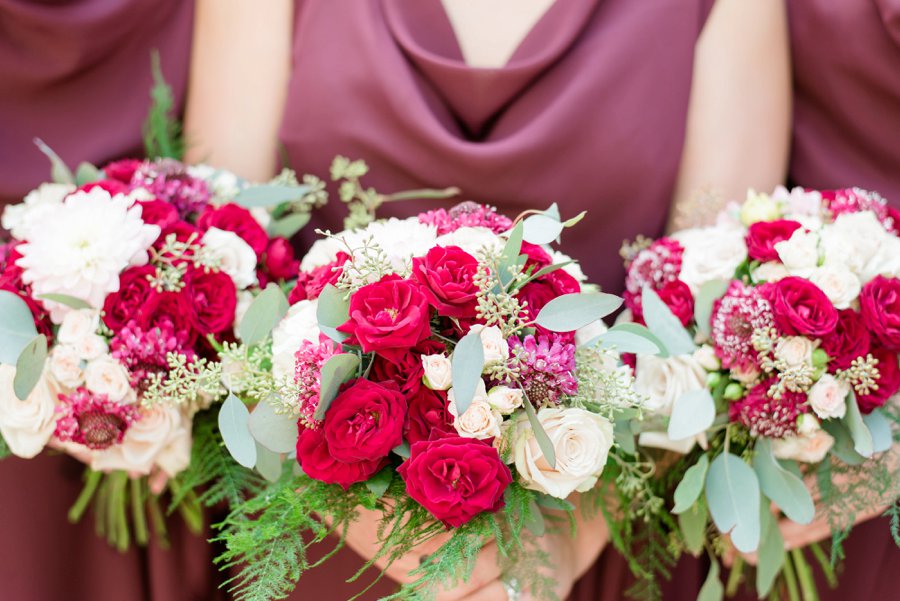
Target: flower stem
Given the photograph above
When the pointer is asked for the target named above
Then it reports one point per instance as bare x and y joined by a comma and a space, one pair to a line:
790, 579
426, 193
123, 535
158, 520
735, 576
138, 516
91, 482
825, 562
805, 576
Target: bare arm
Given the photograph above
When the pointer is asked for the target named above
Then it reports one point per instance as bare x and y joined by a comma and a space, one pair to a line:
739, 117
240, 65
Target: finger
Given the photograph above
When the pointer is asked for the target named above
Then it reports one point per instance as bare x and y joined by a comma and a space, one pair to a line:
486, 572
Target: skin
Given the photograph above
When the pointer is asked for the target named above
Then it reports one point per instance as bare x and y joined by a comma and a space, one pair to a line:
738, 128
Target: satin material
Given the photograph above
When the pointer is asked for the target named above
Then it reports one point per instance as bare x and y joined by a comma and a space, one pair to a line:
589, 112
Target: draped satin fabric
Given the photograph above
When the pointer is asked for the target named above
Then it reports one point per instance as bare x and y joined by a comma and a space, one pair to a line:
589, 112
77, 74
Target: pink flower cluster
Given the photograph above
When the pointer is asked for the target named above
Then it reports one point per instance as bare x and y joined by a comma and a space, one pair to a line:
466, 214
93, 420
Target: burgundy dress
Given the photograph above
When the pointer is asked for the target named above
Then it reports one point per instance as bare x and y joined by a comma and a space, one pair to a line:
77, 75
589, 112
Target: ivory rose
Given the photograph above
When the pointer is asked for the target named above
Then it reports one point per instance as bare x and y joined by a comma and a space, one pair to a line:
665, 380
26, 425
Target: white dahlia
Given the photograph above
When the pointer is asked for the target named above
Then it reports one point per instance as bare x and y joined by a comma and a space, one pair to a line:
82, 246
22, 219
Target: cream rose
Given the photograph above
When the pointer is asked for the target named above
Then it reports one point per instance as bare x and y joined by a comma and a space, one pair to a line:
244, 300
808, 449
90, 347
661, 440
663, 381
26, 425
771, 271
107, 376
299, 324
828, 397
705, 355
438, 372
505, 399
143, 442
853, 240
480, 420
77, 325
795, 350
175, 457
495, 346
710, 254
839, 284
65, 366
589, 332
800, 253
235, 256
885, 261
581, 442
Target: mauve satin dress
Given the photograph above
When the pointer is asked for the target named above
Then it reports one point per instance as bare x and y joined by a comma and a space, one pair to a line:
846, 56
589, 112
77, 75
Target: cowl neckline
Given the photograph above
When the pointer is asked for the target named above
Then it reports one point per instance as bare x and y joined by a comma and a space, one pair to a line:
476, 96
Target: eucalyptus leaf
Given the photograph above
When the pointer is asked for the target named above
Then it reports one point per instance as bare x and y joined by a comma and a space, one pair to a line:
843, 443
59, 171
624, 436
574, 220
703, 303
86, 173
691, 485
880, 427
16, 327
572, 311
332, 310
540, 435
337, 370
784, 488
732, 492
541, 229
859, 432
269, 195
379, 483
712, 589
30, 366
234, 426
509, 257
263, 315
771, 553
545, 500
550, 269
64, 299
467, 363
692, 413
289, 225
278, 433
632, 338
665, 325
268, 463
402, 450
693, 527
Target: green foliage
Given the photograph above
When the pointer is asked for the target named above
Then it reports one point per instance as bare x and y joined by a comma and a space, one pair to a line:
4, 448
213, 474
162, 131
894, 513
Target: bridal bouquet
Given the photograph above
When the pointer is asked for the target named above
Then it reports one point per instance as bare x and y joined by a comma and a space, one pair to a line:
117, 287
448, 370
779, 330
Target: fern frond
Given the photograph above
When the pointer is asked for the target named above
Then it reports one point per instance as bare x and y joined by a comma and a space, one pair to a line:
894, 513
162, 131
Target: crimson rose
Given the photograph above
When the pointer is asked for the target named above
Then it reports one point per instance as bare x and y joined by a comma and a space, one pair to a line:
537, 257
428, 416
801, 308
213, 297
158, 212
365, 421
133, 299
122, 170
447, 278
888, 381
406, 369
314, 457
455, 478
764, 235
850, 340
110, 185
388, 317
237, 219
879, 302
183, 231
678, 298
280, 261
173, 310
311, 283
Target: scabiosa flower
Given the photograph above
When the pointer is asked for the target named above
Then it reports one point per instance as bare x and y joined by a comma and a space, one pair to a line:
169, 180
766, 416
93, 420
308, 362
740, 312
655, 266
466, 214
857, 200
548, 367
144, 352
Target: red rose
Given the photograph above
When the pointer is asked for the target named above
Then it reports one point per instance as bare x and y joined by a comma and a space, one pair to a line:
879, 302
388, 317
365, 421
213, 297
317, 462
183, 231
888, 381
849, 340
158, 212
311, 283
406, 369
455, 478
428, 416
280, 261
894, 216
544, 289
538, 258
678, 298
172, 310
123, 170
764, 235
110, 185
133, 299
801, 308
237, 219
447, 278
